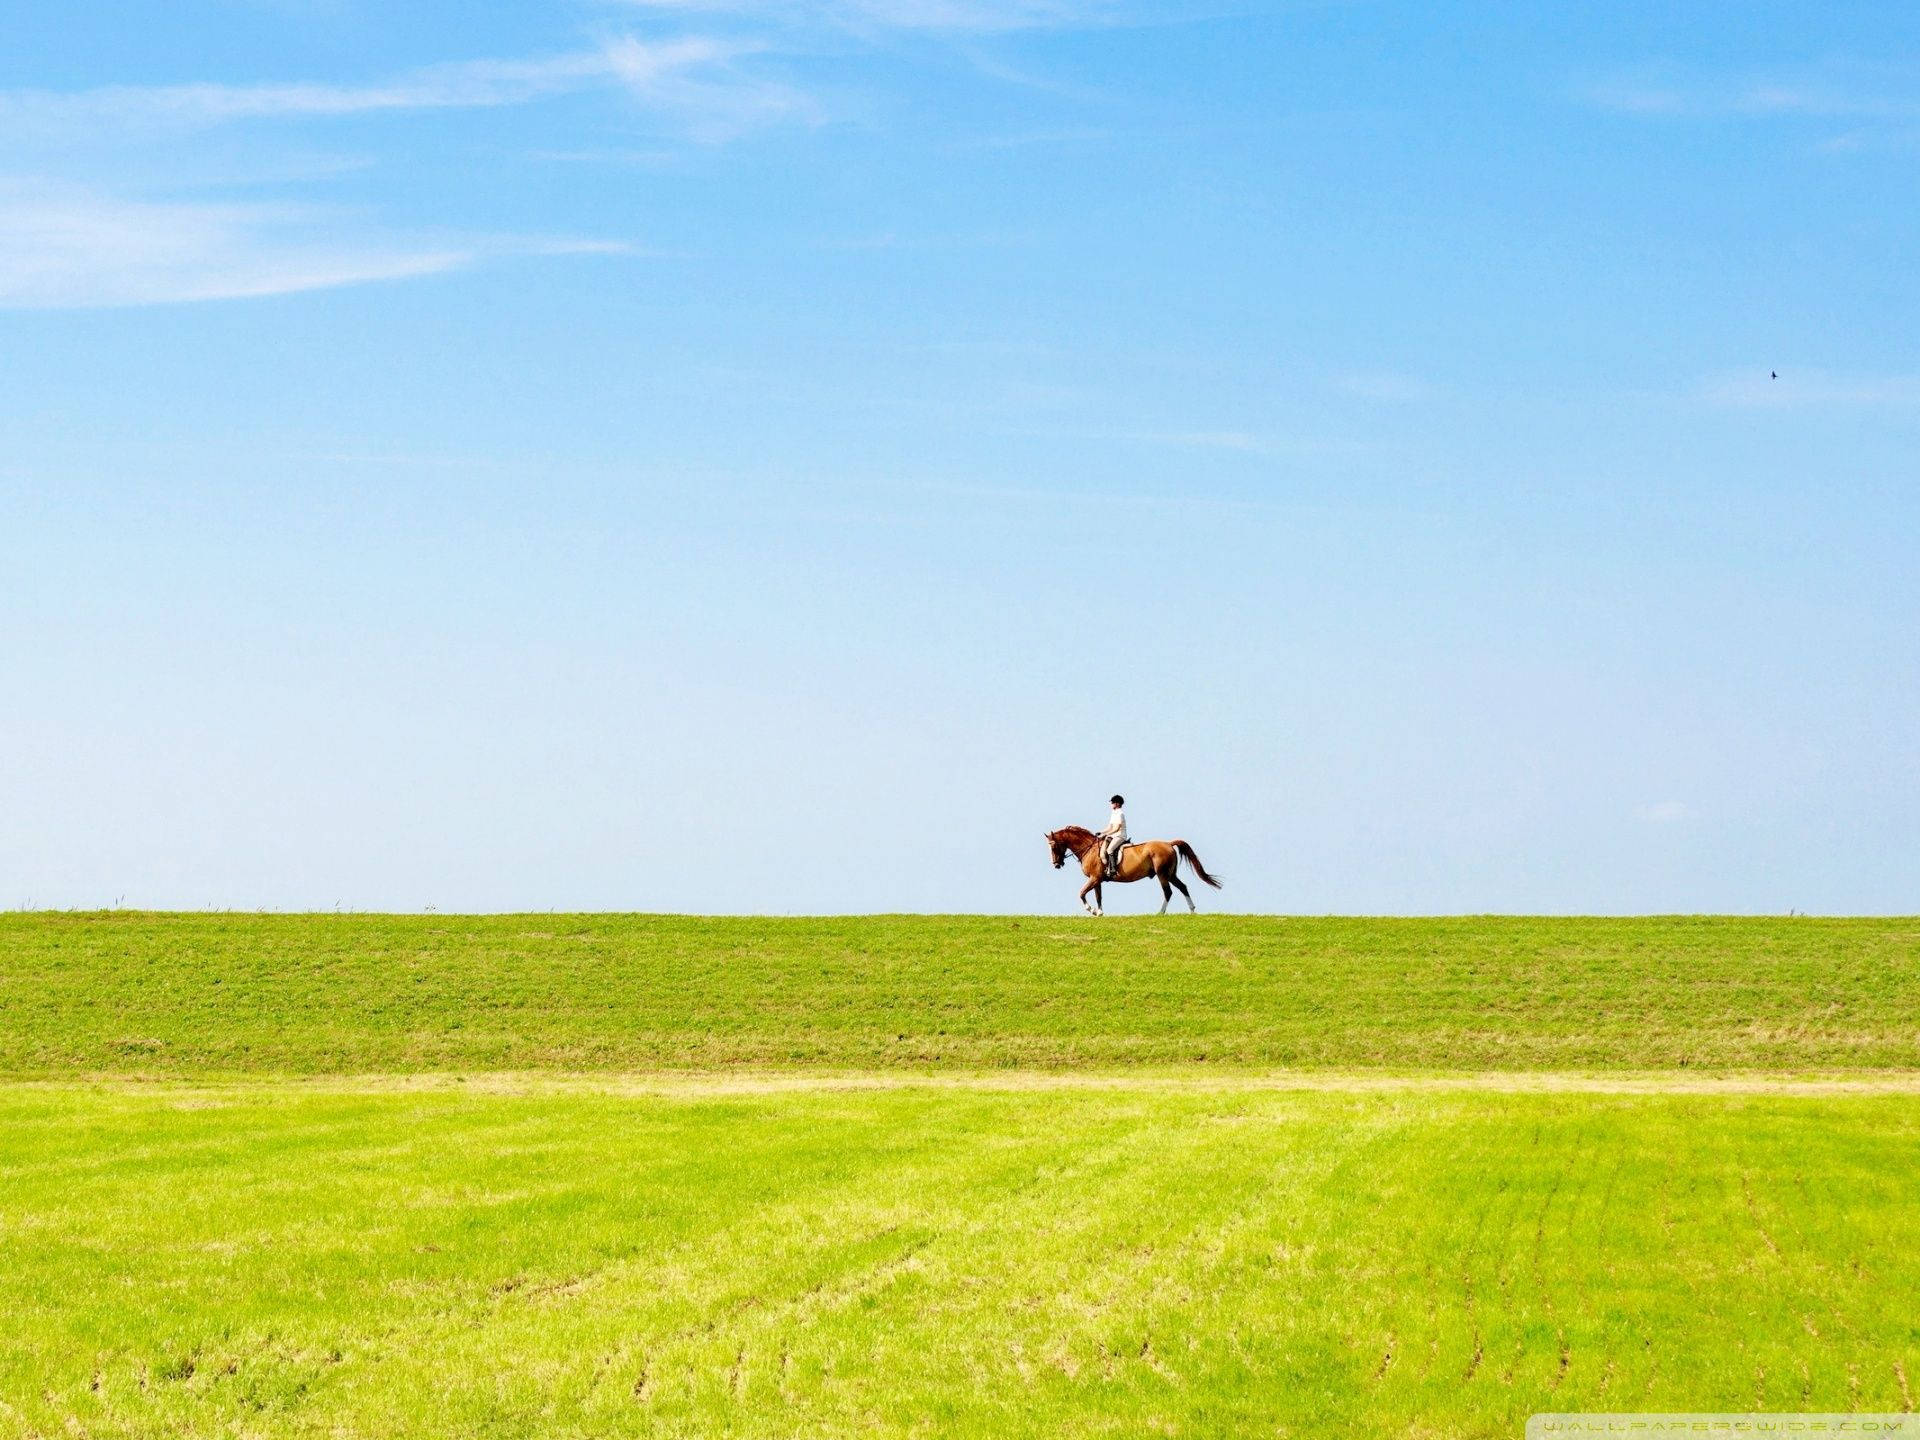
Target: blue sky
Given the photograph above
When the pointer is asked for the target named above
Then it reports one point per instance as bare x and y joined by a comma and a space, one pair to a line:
785, 457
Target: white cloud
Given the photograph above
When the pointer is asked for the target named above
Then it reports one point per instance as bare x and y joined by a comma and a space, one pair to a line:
983, 15
1758, 390
1833, 92
700, 81
73, 249
697, 80
471, 84
64, 245
62, 249
949, 16
1666, 812
1871, 137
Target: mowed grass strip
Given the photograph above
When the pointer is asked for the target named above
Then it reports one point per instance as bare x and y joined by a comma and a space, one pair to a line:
273, 1260
193, 994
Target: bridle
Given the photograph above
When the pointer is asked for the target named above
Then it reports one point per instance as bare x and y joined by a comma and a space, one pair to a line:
1063, 848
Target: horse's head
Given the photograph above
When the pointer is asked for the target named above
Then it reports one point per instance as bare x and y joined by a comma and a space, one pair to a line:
1058, 844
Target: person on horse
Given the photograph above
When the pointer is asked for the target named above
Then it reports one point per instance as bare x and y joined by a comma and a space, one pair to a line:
1113, 839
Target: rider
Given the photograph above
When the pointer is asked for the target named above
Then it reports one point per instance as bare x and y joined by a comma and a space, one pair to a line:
1114, 838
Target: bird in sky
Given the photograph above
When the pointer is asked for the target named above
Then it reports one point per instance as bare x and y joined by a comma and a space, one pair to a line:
1774, 373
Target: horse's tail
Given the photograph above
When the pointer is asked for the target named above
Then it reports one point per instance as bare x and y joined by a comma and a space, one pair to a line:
1194, 860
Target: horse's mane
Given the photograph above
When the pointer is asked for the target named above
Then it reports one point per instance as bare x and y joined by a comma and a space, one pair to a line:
1073, 832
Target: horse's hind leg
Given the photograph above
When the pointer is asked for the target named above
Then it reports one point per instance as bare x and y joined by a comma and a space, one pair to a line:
1166, 894
1180, 885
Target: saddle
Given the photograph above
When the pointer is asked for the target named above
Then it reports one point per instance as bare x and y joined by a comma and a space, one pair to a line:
1112, 866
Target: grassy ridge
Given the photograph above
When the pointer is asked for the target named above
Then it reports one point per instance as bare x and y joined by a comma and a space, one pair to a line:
280, 1260
185, 994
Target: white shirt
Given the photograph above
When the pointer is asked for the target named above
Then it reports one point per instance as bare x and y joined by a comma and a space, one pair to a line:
1116, 825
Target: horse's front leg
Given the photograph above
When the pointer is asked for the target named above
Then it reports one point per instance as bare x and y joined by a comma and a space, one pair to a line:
1086, 890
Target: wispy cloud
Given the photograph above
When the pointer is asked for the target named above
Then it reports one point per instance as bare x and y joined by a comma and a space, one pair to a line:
69, 245
115, 241
982, 15
1665, 812
75, 249
1871, 137
1756, 390
706, 79
702, 81
67, 249
467, 85
1832, 92
699, 80
947, 16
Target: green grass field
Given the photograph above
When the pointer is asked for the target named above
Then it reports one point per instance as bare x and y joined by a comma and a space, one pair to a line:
157, 994
584, 1176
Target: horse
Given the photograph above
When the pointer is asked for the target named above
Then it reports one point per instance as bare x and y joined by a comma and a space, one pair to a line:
1141, 860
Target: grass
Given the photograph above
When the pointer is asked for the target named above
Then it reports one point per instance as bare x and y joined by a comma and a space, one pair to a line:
362, 1260
530, 1177
199, 994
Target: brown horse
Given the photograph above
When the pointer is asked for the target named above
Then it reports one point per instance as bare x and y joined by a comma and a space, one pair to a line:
1142, 860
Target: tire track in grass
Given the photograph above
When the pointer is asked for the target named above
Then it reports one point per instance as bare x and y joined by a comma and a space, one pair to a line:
375, 1341
804, 1308
1216, 1240
1212, 1265
1069, 1302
